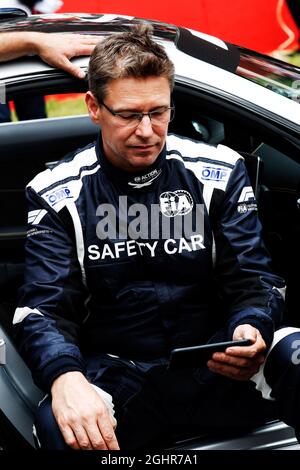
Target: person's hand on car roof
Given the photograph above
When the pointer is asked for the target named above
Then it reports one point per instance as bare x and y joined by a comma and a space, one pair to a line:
56, 49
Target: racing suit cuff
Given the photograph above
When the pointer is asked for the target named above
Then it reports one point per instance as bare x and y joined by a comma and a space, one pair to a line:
59, 366
256, 318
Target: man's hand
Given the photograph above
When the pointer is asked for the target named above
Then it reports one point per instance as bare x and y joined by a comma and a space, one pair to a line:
57, 49
81, 414
240, 362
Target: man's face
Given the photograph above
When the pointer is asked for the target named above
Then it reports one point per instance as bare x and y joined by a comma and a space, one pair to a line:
131, 147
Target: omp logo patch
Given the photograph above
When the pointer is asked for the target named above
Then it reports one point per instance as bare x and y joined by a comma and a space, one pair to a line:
34, 217
246, 200
58, 195
210, 173
174, 203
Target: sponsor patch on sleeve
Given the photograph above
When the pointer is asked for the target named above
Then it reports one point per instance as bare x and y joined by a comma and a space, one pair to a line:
34, 217
247, 201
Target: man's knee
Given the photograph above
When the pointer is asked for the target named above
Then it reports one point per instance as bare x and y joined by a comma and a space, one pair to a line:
281, 366
284, 356
47, 432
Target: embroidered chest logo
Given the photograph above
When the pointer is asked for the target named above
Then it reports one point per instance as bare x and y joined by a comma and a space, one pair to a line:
144, 180
210, 173
58, 195
174, 203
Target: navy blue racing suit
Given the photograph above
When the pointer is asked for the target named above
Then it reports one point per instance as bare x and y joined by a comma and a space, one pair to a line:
90, 287
127, 267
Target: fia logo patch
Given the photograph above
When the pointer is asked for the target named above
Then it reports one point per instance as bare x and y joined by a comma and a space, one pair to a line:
173, 203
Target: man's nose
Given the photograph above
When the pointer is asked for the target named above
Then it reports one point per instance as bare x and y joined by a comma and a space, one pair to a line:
144, 129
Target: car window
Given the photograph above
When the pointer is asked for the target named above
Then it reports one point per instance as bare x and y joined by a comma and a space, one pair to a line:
280, 77
280, 170
65, 105
54, 105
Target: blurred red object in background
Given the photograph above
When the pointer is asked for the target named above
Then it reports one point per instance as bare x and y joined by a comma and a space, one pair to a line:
260, 25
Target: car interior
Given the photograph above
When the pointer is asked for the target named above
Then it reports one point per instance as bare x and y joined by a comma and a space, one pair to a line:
26, 148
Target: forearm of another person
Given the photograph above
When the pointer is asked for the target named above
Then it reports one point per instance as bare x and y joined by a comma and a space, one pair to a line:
55, 49
82, 415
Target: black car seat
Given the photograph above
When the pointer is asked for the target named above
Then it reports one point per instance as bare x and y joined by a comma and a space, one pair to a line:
19, 398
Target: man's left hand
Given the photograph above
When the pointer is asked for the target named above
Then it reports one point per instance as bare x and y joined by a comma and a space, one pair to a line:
240, 362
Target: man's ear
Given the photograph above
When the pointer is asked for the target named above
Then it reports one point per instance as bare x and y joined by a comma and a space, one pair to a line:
93, 107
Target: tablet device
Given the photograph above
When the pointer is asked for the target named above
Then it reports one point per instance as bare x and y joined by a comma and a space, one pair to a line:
197, 356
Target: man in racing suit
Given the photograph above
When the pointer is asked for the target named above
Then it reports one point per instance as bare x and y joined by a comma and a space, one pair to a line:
138, 244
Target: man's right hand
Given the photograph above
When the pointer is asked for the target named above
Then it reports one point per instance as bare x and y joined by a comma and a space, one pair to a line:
81, 414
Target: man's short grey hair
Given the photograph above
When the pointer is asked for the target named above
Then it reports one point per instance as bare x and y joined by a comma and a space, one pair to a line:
129, 54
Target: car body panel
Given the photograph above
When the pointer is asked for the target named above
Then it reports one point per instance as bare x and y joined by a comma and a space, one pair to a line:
201, 75
187, 68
